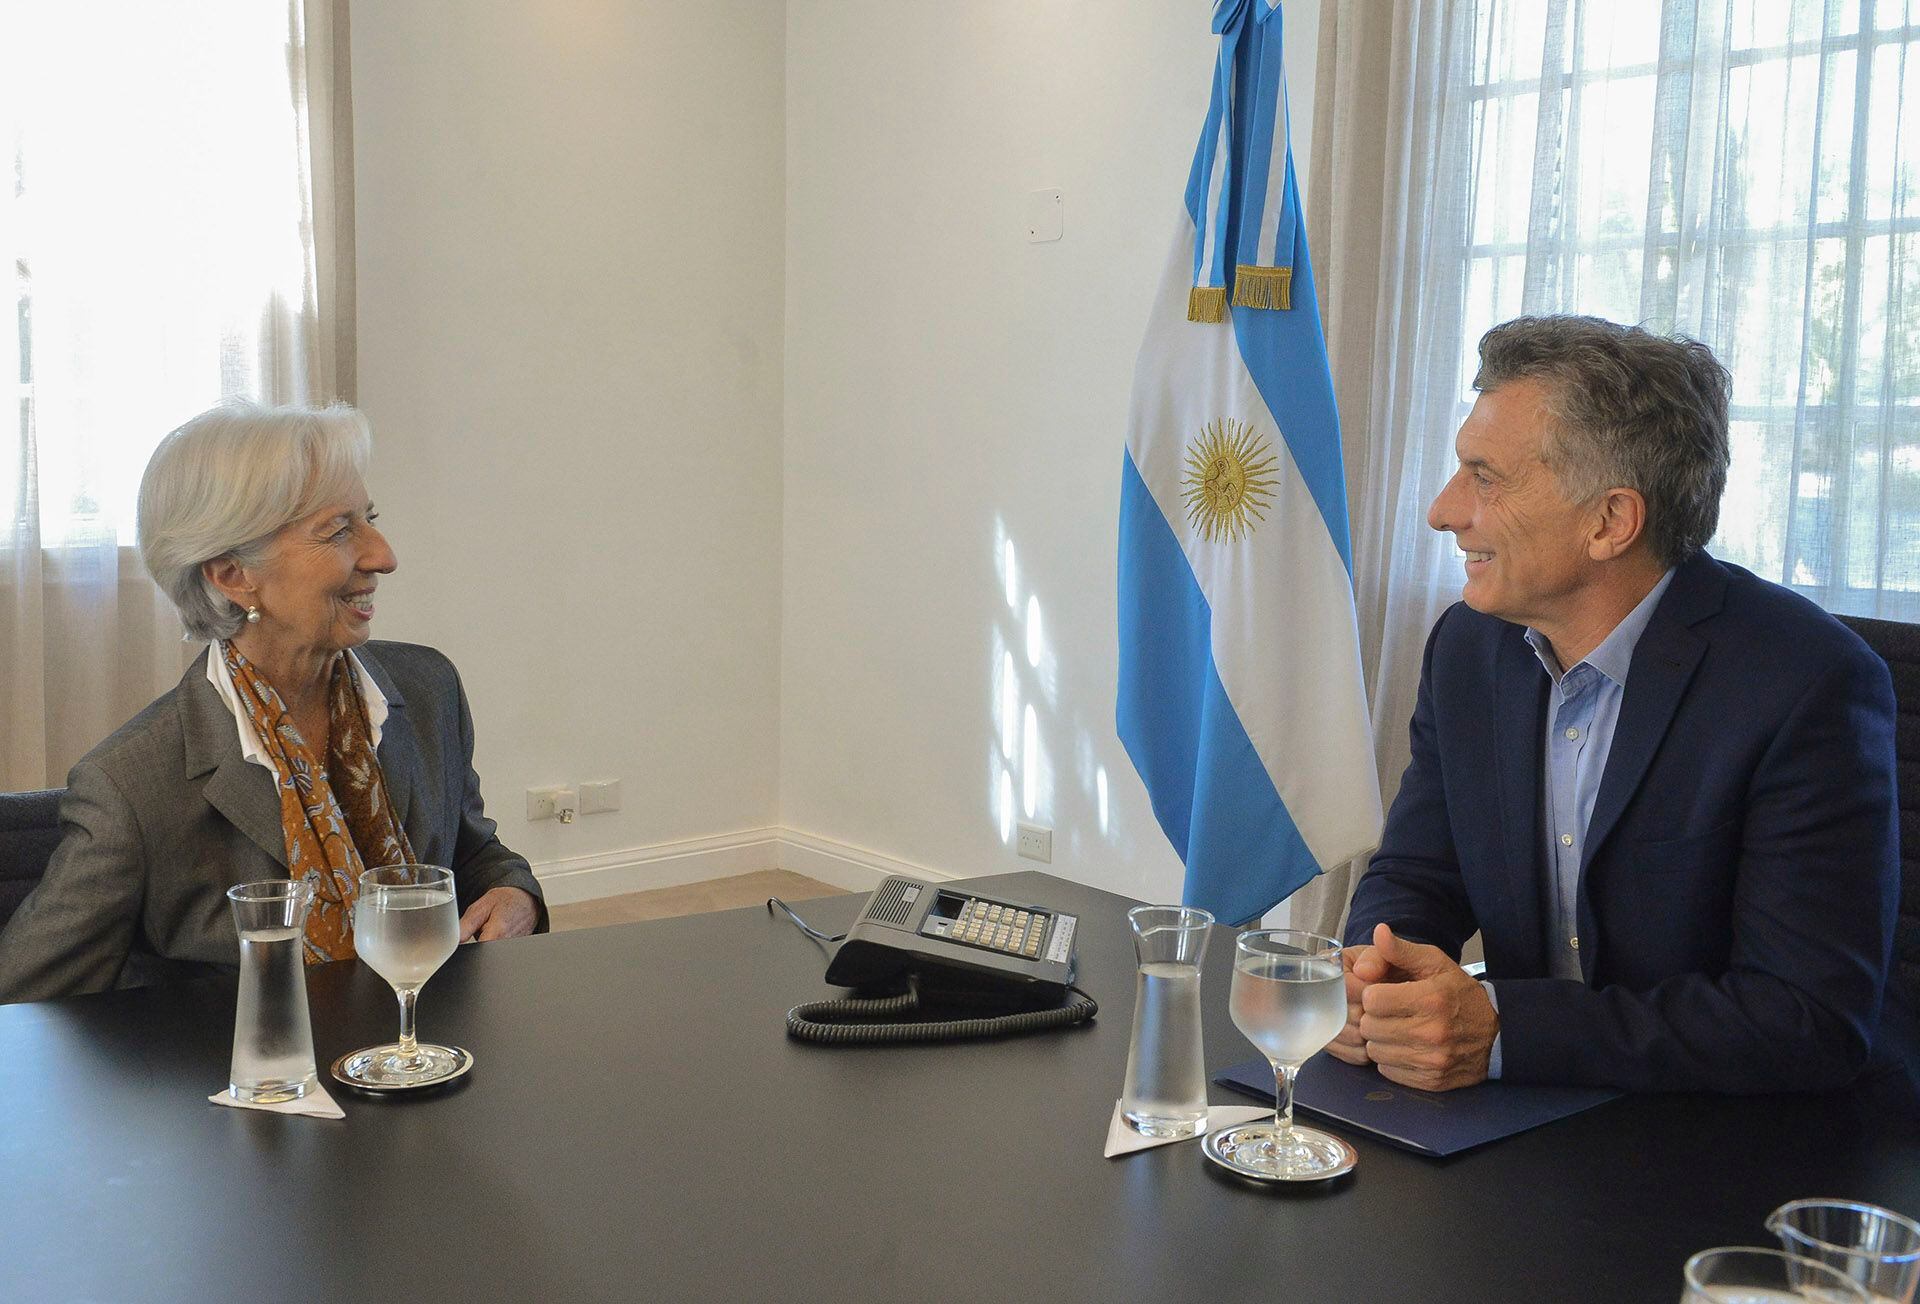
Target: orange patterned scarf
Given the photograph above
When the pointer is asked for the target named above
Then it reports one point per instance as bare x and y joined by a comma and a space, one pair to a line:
337, 818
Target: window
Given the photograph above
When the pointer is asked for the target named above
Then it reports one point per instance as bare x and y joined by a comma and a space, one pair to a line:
1749, 182
155, 224
161, 248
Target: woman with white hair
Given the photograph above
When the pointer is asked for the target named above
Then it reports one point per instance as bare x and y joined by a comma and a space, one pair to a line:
293, 746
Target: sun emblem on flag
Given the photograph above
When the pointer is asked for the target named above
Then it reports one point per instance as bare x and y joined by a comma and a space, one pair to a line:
1229, 481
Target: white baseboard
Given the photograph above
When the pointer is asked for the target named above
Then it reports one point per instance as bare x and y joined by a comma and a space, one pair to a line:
850, 867
751, 851
668, 864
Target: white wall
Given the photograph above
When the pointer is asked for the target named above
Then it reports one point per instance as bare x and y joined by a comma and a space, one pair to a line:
577, 224
570, 256
950, 387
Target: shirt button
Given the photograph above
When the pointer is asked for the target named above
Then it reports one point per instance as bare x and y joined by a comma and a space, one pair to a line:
1566, 839
1574, 942
1573, 733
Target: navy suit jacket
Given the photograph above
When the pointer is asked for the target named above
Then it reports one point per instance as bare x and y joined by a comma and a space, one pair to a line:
1740, 876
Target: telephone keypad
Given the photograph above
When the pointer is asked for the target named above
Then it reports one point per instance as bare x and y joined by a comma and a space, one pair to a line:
999, 928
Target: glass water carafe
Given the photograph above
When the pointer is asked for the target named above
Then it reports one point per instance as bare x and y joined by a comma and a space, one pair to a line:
1166, 1088
272, 1033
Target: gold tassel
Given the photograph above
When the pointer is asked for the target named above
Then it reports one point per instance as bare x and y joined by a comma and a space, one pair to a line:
1207, 303
1262, 287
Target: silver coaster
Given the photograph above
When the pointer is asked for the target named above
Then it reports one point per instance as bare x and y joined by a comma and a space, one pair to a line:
1237, 1149
344, 1067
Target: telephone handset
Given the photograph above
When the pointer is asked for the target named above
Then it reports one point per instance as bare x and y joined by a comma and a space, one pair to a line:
984, 966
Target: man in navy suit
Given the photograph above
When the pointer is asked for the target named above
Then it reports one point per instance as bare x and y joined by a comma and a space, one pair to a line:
1661, 788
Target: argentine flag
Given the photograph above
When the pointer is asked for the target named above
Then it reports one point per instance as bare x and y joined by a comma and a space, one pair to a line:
1240, 699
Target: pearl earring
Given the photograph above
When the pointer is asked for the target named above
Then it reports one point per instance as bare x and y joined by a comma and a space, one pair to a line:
253, 615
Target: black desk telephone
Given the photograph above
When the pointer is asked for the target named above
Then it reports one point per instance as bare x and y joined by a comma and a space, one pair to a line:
978, 967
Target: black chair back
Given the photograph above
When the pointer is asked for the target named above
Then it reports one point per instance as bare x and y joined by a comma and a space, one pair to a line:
1899, 645
29, 831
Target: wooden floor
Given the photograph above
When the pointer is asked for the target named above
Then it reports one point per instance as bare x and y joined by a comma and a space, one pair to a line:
689, 899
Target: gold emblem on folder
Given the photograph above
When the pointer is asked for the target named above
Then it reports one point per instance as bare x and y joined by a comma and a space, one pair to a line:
1229, 481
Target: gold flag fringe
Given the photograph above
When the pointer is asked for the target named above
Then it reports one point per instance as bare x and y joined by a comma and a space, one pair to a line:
1262, 287
1207, 303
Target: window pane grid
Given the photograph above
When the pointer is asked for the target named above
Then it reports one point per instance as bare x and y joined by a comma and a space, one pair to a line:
1729, 237
1820, 48
154, 238
1811, 231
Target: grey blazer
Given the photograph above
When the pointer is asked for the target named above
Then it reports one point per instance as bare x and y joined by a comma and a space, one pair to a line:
164, 816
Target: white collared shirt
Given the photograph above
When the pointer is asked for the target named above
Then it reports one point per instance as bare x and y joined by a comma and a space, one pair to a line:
251, 747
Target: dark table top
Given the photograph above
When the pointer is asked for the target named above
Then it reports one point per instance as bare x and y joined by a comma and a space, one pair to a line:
638, 1126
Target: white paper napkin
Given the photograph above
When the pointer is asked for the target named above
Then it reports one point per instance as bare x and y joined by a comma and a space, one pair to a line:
315, 1104
1123, 1140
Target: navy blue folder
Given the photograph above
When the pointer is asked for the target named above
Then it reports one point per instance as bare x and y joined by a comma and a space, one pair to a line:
1426, 1122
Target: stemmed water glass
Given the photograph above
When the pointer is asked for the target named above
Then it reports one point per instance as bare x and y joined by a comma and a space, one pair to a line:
405, 925
1289, 998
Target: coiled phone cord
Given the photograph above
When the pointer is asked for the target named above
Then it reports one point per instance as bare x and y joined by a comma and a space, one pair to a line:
855, 1020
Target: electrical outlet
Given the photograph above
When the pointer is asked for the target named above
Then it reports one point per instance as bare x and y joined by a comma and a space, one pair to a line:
1036, 843
558, 803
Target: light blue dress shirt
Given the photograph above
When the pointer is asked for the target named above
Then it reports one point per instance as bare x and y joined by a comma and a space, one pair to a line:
1583, 707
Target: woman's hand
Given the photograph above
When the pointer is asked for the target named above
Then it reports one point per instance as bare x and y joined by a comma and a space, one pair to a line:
501, 912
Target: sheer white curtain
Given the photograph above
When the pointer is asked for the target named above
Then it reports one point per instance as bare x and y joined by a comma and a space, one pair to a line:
175, 224
1743, 171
